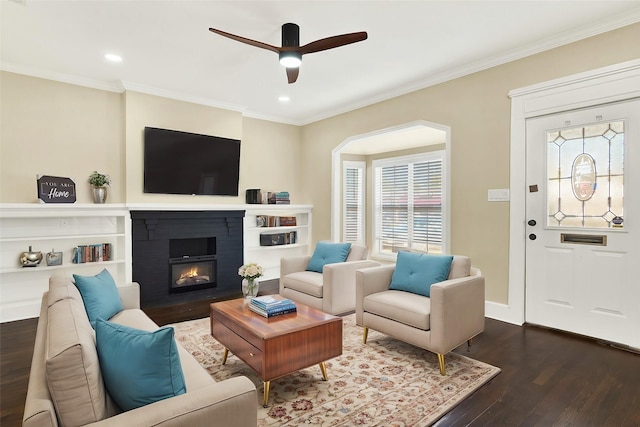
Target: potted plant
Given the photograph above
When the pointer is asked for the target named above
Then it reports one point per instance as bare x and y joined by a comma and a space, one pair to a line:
99, 183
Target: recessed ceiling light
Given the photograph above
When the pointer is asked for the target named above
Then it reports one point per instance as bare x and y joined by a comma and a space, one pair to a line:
113, 57
284, 98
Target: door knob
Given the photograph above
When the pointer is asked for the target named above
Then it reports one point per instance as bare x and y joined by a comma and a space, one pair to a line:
532, 222
532, 236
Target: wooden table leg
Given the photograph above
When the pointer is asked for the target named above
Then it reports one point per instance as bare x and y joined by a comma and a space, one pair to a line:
267, 385
324, 370
224, 356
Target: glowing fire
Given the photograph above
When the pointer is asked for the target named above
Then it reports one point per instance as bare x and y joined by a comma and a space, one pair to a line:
189, 274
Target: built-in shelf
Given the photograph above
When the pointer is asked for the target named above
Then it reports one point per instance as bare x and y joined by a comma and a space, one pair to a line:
269, 256
59, 228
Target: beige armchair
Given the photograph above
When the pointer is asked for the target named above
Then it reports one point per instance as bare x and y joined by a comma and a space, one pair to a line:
332, 291
451, 315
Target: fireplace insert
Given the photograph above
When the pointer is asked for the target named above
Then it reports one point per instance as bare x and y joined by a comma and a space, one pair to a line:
192, 273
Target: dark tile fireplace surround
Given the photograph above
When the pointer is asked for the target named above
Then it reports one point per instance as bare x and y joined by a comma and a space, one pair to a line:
185, 256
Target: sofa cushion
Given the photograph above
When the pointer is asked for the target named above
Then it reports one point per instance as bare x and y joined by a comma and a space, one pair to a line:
139, 367
61, 287
99, 294
410, 309
72, 366
307, 282
328, 253
460, 267
416, 272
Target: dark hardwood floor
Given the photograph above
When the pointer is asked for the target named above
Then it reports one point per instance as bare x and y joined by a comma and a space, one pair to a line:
548, 378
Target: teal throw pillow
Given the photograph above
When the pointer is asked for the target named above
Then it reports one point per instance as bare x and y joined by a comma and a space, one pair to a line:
416, 272
99, 295
328, 253
138, 367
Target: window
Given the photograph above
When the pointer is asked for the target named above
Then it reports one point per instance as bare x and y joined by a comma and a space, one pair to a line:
585, 176
409, 193
353, 202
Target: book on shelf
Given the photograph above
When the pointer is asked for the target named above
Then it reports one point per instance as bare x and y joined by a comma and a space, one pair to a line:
275, 221
92, 253
278, 198
278, 310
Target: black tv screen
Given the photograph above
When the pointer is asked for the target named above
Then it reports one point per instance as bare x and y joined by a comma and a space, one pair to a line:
189, 163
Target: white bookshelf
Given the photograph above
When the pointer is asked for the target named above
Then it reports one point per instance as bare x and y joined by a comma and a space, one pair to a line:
59, 227
269, 256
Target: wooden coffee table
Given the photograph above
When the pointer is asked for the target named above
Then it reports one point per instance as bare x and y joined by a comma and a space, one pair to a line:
276, 346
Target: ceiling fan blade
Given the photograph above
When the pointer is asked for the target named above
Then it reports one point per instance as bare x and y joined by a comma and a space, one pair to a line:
292, 74
246, 40
331, 42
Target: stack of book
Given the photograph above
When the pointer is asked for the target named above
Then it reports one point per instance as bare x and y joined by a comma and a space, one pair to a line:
268, 306
282, 198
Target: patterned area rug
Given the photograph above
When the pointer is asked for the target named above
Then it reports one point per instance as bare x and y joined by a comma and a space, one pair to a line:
383, 383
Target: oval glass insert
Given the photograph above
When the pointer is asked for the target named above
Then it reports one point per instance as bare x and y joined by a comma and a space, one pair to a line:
583, 177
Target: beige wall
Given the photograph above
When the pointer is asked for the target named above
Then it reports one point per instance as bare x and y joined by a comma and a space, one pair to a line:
477, 109
58, 129
61, 129
148, 110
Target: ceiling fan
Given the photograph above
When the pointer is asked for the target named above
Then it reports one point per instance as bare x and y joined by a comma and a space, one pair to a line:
291, 52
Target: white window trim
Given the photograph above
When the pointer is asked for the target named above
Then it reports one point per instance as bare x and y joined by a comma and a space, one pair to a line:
361, 165
416, 158
336, 176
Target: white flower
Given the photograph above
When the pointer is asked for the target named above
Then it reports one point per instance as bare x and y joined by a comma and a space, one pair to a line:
251, 271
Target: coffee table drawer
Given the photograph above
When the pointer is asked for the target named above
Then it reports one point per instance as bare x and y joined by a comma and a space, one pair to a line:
248, 353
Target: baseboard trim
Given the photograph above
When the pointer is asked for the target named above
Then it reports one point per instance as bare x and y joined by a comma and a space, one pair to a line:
502, 312
19, 311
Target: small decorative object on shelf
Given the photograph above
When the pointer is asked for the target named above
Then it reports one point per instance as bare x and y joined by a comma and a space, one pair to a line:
56, 189
99, 183
250, 274
30, 258
54, 258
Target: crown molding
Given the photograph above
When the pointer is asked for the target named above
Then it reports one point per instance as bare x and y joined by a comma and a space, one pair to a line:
150, 90
567, 37
548, 43
109, 86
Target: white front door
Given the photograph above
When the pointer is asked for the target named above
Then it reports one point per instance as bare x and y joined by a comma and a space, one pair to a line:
583, 214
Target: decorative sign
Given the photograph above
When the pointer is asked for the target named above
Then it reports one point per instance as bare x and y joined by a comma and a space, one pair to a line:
56, 189
583, 177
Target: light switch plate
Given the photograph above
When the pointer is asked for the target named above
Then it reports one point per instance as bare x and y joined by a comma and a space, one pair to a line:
498, 195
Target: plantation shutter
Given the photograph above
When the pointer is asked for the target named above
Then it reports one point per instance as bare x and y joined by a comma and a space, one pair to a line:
409, 205
427, 203
353, 202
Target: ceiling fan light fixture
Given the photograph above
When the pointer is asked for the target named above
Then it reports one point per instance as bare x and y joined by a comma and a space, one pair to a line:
290, 59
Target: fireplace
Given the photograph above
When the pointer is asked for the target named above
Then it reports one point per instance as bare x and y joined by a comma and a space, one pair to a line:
192, 273
184, 256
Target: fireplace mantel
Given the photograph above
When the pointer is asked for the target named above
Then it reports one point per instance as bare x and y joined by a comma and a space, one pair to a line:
152, 233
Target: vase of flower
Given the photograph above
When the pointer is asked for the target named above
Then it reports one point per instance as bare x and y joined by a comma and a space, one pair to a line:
250, 274
250, 288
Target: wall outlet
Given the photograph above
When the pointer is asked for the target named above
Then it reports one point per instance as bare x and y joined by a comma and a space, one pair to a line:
498, 195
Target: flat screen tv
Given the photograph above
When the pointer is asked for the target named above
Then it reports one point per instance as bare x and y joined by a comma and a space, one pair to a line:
178, 162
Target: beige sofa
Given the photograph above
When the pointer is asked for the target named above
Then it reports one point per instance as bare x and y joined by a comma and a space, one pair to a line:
453, 314
66, 386
332, 291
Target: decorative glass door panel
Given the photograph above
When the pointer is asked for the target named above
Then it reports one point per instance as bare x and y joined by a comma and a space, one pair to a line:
585, 176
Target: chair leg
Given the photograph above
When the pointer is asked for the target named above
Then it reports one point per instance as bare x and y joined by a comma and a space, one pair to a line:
441, 363
364, 337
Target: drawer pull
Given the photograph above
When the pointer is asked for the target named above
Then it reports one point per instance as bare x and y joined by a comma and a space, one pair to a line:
251, 354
